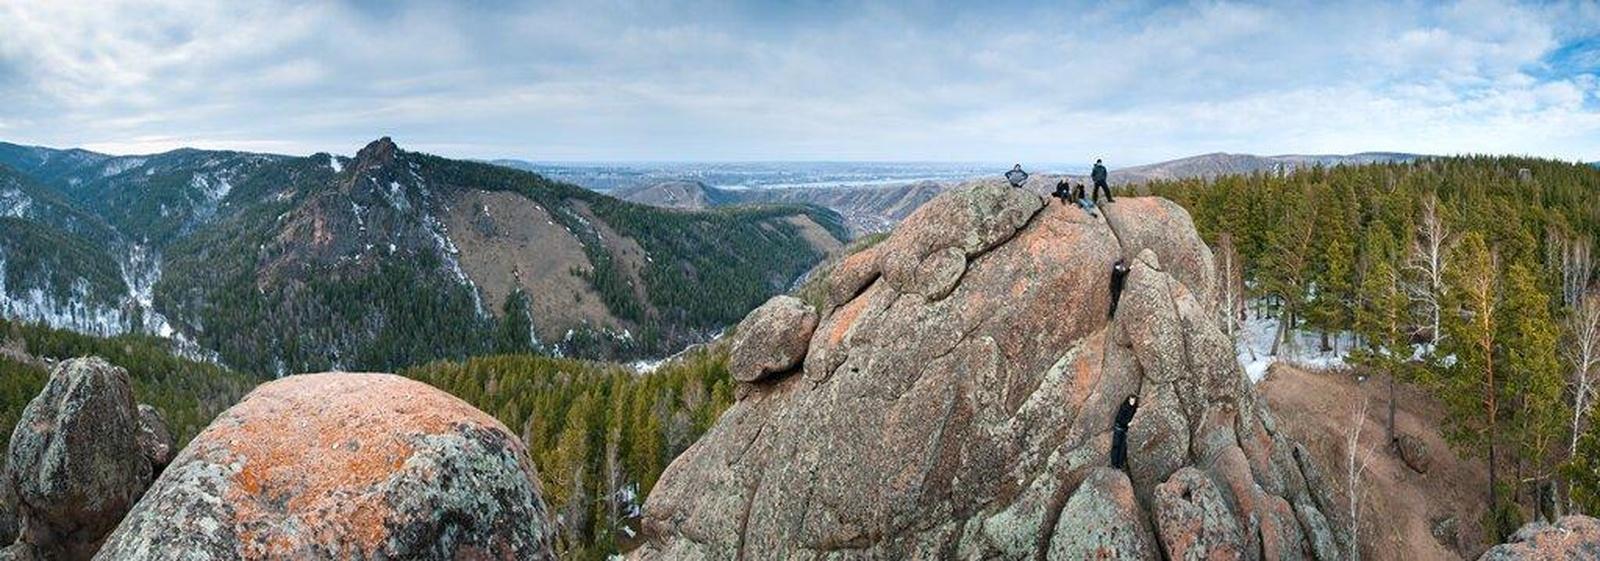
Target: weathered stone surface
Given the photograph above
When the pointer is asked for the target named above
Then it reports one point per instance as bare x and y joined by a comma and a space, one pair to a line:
1102, 521
1414, 452
1324, 546
343, 466
772, 339
1572, 537
1165, 228
1193, 521
965, 411
75, 466
930, 253
154, 438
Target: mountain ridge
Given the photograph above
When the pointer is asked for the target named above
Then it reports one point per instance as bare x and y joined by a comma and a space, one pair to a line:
259, 256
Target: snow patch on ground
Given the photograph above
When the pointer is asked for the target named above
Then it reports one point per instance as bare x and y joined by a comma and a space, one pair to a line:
333, 164
119, 165
1303, 348
14, 203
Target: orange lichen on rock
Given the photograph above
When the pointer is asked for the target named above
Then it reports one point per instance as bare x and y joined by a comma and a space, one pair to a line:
345, 425
844, 319
344, 466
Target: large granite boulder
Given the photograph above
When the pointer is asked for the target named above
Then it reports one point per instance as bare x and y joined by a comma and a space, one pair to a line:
1194, 520
1572, 537
957, 395
772, 339
75, 466
1102, 521
343, 466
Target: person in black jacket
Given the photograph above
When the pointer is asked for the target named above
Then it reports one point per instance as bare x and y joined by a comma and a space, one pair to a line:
1099, 177
1119, 432
1064, 192
1016, 176
1119, 279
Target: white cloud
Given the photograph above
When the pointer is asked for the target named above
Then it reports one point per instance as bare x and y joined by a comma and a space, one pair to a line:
692, 80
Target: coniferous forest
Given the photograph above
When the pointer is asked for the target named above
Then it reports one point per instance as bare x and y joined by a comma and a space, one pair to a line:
1470, 276
600, 434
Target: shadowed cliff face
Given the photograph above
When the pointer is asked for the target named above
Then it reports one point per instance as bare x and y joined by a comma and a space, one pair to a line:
956, 401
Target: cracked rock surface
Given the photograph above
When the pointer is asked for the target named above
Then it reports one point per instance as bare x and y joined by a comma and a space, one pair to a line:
956, 397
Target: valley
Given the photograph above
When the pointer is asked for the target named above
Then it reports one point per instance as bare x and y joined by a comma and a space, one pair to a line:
282, 264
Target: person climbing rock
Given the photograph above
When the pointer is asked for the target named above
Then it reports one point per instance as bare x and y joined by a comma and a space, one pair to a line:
1099, 176
1119, 432
1016, 176
1119, 277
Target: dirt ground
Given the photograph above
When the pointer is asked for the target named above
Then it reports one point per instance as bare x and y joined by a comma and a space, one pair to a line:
1401, 507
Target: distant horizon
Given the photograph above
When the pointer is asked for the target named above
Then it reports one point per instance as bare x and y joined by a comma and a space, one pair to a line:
864, 81
605, 162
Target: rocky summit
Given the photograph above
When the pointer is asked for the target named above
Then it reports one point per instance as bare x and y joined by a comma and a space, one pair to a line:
956, 396
342, 466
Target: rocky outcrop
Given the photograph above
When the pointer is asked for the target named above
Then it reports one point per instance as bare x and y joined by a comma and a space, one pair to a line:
343, 466
1572, 537
75, 465
956, 400
155, 439
772, 339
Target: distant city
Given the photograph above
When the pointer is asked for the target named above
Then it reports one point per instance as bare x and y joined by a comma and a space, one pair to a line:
608, 176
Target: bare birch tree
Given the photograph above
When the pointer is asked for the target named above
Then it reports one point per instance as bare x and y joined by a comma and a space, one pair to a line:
1430, 247
1357, 460
1582, 353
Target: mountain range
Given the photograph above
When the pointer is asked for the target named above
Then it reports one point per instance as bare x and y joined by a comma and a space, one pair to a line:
278, 264
876, 208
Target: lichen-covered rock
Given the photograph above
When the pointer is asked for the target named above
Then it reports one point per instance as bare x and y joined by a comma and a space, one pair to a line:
75, 467
1572, 537
1318, 533
1165, 228
930, 253
957, 396
343, 466
1102, 521
772, 339
154, 438
1414, 452
1193, 520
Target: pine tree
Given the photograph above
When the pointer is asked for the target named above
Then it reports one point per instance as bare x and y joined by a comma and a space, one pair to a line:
1473, 390
515, 333
1529, 337
1334, 261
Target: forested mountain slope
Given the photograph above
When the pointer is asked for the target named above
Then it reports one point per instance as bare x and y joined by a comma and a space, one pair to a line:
1470, 275
391, 258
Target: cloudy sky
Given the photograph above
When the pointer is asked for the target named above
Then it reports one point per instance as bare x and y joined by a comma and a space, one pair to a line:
926, 81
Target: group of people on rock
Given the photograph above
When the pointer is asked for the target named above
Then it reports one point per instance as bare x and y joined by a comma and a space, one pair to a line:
1072, 193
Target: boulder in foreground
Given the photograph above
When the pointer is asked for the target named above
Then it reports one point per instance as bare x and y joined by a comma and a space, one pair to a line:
75, 463
343, 466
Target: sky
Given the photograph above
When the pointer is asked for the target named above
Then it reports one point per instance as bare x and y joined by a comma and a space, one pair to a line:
612, 80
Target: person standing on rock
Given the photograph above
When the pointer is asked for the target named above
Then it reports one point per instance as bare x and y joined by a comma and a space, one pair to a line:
1119, 432
1016, 176
1099, 176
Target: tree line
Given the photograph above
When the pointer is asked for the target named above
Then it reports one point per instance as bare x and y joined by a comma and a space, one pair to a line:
1471, 276
600, 434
